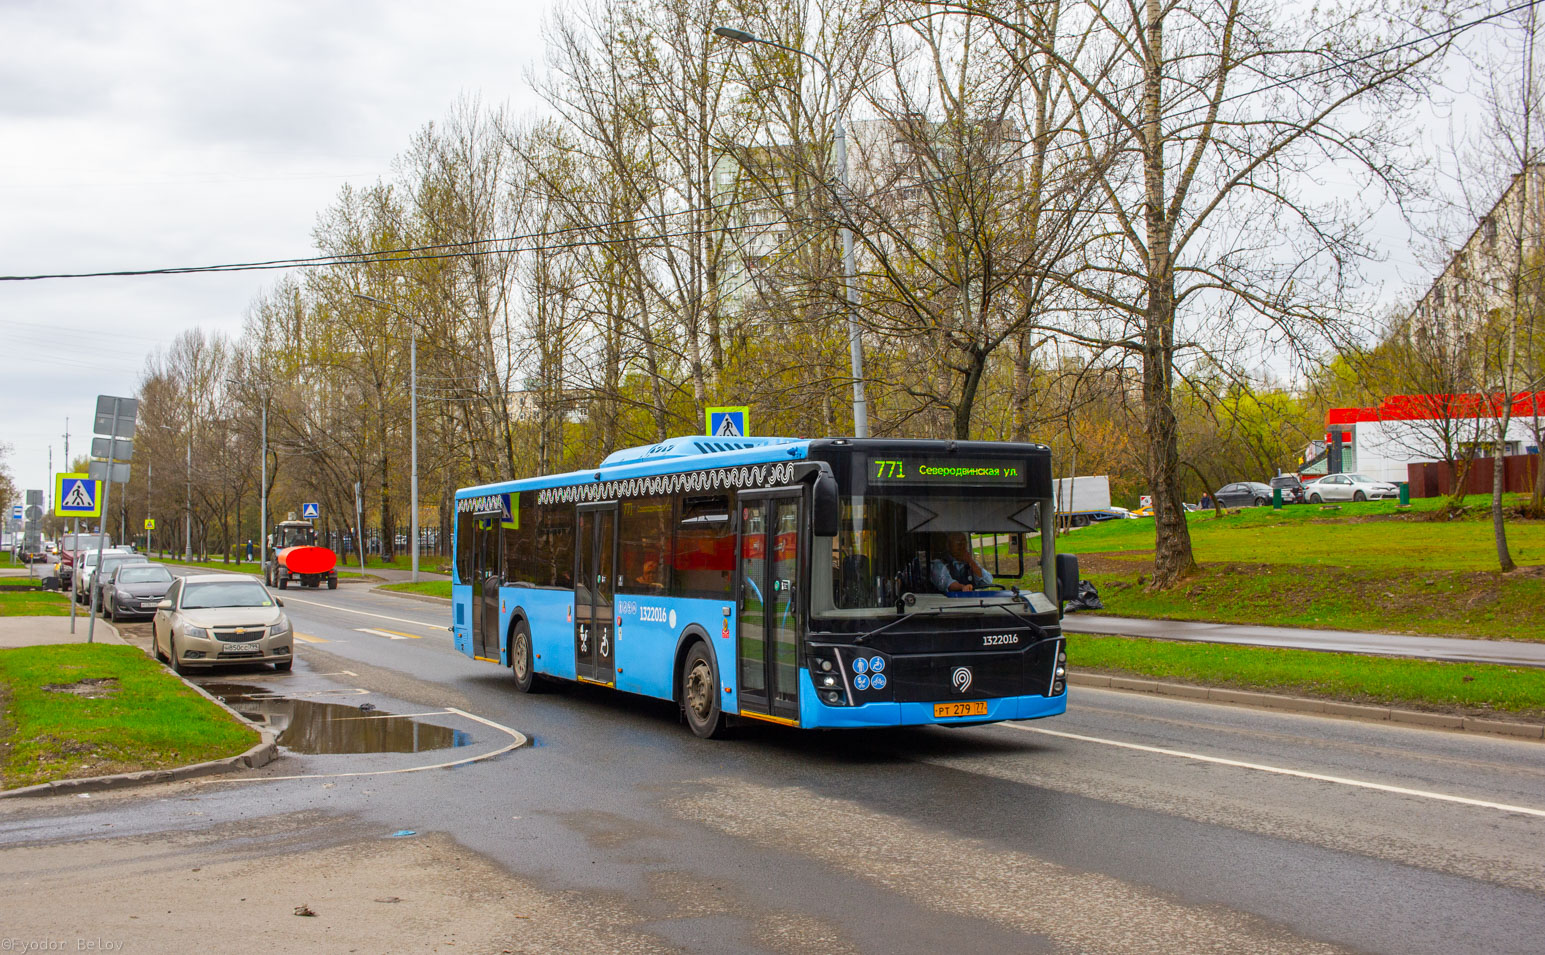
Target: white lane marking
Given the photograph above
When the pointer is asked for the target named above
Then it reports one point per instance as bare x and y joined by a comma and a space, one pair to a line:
366, 613
388, 634
1282, 771
517, 740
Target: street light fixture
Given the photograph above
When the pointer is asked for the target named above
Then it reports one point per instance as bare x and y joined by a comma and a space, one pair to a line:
849, 274
412, 421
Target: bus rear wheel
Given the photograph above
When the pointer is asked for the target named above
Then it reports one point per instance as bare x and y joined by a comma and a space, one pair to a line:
522, 666
699, 701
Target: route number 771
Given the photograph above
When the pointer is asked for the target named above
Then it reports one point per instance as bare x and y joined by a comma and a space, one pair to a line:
889, 469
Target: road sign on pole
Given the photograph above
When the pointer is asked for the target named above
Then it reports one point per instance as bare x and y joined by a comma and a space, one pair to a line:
77, 496
116, 449
729, 422
310, 511
150, 523
118, 473
114, 419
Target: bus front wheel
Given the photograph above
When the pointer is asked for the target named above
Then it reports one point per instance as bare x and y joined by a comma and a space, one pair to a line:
699, 701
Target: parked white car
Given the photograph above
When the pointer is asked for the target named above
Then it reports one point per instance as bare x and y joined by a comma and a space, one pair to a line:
86, 569
221, 619
1350, 487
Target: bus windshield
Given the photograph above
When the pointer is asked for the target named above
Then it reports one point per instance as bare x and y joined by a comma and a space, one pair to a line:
935, 549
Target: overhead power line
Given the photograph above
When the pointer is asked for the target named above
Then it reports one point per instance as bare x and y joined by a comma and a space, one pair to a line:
512, 244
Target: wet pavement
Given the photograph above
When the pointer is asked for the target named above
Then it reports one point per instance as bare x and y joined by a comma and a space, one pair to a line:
1133, 823
311, 727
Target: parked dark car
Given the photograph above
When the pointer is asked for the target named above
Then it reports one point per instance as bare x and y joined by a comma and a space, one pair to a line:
1245, 494
1292, 488
134, 590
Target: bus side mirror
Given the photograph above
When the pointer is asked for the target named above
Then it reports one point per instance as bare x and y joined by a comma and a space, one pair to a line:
1067, 577
825, 508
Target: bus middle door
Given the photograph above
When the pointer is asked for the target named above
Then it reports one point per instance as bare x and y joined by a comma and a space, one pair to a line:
595, 584
486, 574
769, 577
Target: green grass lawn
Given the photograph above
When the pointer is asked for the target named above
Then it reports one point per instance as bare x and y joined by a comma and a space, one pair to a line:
33, 603
433, 588
1366, 566
1409, 684
404, 561
145, 718
1372, 535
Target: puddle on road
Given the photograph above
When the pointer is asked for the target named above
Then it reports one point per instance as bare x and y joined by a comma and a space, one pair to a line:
314, 728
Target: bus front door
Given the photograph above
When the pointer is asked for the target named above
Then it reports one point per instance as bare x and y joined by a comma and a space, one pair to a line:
595, 583
769, 579
485, 588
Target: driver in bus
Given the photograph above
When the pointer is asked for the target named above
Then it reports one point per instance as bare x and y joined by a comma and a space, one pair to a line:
959, 571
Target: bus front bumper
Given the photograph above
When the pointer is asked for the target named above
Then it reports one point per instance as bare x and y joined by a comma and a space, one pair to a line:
813, 714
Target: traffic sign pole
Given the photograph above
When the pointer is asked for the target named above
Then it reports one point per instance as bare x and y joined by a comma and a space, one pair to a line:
107, 495
114, 426
76, 538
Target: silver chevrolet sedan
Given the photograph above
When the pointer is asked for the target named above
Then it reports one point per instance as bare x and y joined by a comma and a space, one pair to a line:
220, 619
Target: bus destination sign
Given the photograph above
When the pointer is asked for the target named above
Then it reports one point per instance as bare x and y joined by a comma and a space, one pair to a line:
965, 472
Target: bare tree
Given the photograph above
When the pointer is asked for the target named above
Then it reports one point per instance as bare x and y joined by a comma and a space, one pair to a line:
1216, 234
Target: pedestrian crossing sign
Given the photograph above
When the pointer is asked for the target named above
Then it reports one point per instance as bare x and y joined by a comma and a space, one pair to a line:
310, 511
150, 523
731, 422
77, 496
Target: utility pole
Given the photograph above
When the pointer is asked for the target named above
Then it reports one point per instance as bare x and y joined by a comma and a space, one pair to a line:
263, 498
187, 513
849, 272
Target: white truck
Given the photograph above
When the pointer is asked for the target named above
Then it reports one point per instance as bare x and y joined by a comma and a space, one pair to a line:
1083, 500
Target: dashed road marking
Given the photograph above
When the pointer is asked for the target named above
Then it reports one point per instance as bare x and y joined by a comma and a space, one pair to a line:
388, 634
366, 613
308, 638
1283, 771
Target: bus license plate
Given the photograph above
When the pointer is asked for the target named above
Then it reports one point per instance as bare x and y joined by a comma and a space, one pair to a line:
242, 648
974, 708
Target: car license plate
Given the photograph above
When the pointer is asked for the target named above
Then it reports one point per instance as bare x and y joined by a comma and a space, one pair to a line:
241, 648
973, 708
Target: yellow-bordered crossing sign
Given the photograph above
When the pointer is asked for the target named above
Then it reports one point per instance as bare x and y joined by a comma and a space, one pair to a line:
77, 495
729, 422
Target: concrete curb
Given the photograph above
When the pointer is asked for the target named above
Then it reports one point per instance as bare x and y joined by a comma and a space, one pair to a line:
264, 752
1302, 704
425, 598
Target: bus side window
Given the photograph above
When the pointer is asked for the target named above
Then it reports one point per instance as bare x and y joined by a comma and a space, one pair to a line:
645, 528
463, 548
523, 561
558, 544
703, 551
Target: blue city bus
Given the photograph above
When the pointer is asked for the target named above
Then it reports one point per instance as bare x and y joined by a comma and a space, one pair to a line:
813, 583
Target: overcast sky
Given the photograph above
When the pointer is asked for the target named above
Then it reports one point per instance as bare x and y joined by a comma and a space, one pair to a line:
151, 134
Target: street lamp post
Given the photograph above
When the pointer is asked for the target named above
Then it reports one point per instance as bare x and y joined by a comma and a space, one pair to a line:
412, 423
849, 272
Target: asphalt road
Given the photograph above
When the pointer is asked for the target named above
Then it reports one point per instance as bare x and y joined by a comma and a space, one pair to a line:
1133, 823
